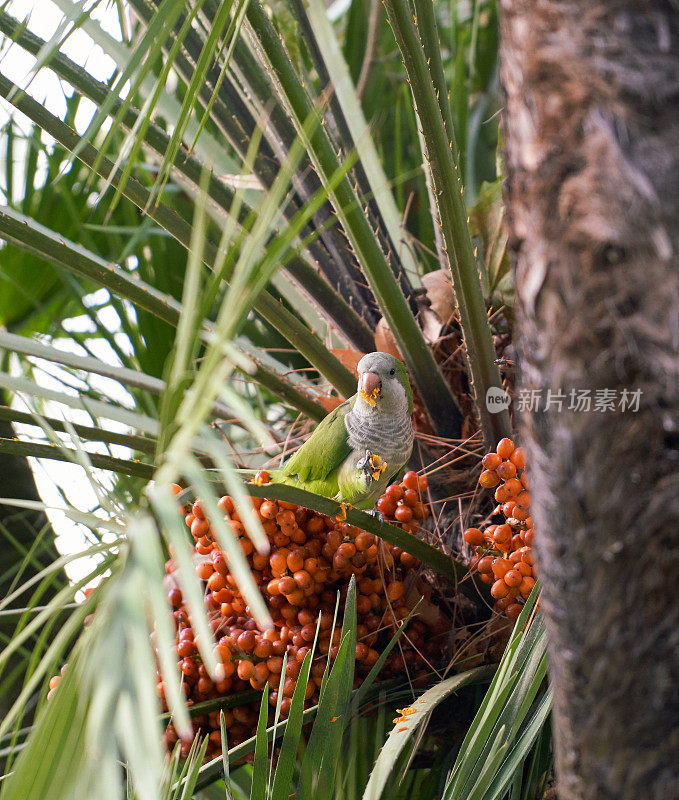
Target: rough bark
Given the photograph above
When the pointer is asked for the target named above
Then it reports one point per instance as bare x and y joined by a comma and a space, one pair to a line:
592, 144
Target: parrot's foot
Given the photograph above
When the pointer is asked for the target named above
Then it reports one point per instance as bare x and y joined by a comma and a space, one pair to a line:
372, 465
379, 516
341, 515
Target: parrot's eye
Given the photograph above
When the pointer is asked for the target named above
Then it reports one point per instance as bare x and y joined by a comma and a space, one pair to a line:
392, 372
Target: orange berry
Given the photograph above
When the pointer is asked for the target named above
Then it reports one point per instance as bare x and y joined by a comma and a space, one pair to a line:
199, 527
363, 604
523, 500
526, 586
506, 470
503, 603
216, 582
500, 567
513, 578
473, 537
489, 479
295, 561
278, 562
505, 447
502, 534
499, 589
508, 508
502, 494
303, 579
395, 591
226, 505
403, 513
269, 509
245, 670
347, 550
513, 486
518, 458
491, 461
287, 585
485, 564
204, 570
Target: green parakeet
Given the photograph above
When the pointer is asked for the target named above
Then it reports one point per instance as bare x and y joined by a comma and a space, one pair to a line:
364, 443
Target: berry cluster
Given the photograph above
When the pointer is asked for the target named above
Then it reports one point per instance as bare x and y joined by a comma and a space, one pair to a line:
312, 557
503, 554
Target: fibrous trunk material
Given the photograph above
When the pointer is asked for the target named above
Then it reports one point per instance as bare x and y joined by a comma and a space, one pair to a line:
591, 118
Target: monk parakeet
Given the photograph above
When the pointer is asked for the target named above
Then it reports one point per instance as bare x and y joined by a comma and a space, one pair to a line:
364, 443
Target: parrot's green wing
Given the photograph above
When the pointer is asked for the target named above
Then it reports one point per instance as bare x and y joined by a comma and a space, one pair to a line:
325, 450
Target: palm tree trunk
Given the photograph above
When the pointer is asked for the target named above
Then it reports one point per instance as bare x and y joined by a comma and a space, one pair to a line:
592, 145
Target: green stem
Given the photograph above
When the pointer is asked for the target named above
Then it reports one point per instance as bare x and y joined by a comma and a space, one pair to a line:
453, 215
144, 444
57, 250
428, 30
333, 305
271, 309
435, 392
136, 469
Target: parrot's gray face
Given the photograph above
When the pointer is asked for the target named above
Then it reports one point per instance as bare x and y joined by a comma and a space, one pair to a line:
379, 384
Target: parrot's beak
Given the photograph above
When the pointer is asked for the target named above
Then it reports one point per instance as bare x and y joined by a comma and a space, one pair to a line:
371, 381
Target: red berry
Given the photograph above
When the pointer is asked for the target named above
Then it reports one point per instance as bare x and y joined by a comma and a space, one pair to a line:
386, 505
394, 492
403, 513
410, 497
411, 481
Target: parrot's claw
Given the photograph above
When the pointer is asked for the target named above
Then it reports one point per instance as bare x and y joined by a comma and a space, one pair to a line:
371, 465
379, 516
364, 463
